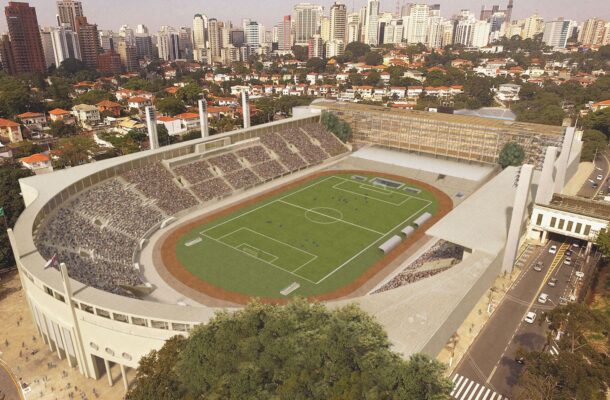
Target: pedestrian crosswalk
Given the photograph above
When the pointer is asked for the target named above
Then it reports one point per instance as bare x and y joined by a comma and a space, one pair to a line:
466, 389
554, 350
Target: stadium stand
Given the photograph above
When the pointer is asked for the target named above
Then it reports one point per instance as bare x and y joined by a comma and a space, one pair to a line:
291, 161
327, 140
226, 163
212, 189
254, 155
242, 179
194, 172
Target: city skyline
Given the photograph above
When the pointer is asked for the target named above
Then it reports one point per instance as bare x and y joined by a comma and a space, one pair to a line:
111, 14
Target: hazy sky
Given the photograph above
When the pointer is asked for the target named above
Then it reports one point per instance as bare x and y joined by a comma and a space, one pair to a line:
111, 14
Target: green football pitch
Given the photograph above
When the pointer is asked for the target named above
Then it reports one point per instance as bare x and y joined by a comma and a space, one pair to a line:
305, 241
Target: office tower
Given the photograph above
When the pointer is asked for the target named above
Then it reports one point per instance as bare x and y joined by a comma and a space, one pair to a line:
253, 34
199, 37
144, 46
335, 48
109, 62
168, 43
593, 32
7, 63
417, 23
128, 35
480, 34
393, 31
509, 11
24, 34
129, 56
532, 26
68, 11
215, 40
141, 29
556, 33
65, 43
353, 28
325, 28
88, 38
284, 33
47, 47
185, 44
307, 22
316, 46
371, 23
338, 22
237, 37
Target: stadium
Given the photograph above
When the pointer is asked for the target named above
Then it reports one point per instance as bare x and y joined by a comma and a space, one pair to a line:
412, 220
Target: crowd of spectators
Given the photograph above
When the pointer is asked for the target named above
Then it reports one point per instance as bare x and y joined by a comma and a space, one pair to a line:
310, 152
194, 172
156, 182
211, 189
440, 251
291, 160
113, 204
329, 142
269, 170
241, 179
254, 155
227, 162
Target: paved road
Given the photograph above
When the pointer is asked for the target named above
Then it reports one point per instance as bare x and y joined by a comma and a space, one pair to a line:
490, 362
8, 385
602, 167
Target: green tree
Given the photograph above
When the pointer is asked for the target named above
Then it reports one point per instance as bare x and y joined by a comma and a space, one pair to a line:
339, 128
171, 106
373, 78
373, 58
603, 244
190, 93
60, 129
512, 154
316, 64
301, 53
75, 150
355, 50
296, 351
70, 66
600, 121
93, 97
15, 97
594, 142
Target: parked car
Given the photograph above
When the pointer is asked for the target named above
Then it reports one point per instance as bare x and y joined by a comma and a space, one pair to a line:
567, 261
530, 317
569, 253
539, 266
552, 282
542, 299
553, 249
600, 177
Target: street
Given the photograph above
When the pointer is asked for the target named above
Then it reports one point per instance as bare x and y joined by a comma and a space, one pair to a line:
595, 188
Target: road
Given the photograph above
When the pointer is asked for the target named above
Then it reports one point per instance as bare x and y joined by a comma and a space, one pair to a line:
8, 385
489, 368
602, 167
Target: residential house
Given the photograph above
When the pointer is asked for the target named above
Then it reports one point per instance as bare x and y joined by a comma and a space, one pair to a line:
189, 121
61, 115
86, 114
38, 163
139, 103
110, 106
10, 131
173, 125
33, 121
601, 105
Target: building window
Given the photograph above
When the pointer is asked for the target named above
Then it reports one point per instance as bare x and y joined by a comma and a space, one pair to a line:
120, 317
139, 321
102, 313
578, 228
539, 220
587, 230
86, 308
570, 226
553, 222
158, 324
60, 297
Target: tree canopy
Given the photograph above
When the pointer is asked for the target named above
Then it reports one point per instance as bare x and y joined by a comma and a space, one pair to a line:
512, 154
355, 50
171, 106
12, 204
594, 141
339, 128
296, 351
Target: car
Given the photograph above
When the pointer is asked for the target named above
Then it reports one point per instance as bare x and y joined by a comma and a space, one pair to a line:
567, 261
530, 317
599, 177
542, 299
594, 185
520, 360
538, 267
576, 245
553, 249
569, 253
552, 282
563, 301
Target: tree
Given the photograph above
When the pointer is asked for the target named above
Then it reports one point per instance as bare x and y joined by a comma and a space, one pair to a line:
300, 52
603, 244
70, 66
512, 154
339, 128
12, 204
15, 97
373, 58
296, 351
316, 64
60, 129
355, 50
171, 106
600, 121
75, 150
93, 97
594, 142
190, 93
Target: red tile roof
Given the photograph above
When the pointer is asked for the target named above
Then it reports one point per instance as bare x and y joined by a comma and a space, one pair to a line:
30, 115
6, 123
58, 111
35, 158
108, 104
187, 115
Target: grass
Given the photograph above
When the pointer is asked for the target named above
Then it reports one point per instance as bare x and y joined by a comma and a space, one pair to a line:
321, 235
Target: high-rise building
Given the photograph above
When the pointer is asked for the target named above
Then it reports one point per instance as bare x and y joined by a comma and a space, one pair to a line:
238, 37
141, 29
144, 46
24, 34
89, 40
325, 28
47, 47
338, 22
68, 11
284, 34
65, 43
592, 32
253, 34
556, 33
532, 26
109, 62
417, 22
129, 56
335, 48
7, 63
307, 22
185, 44
168, 43
353, 28
371, 23
199, 37
215, 40
128, 35
315, 46
471, 32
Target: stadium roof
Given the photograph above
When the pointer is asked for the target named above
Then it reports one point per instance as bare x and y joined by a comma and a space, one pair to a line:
490, 112
582, 206
447, 118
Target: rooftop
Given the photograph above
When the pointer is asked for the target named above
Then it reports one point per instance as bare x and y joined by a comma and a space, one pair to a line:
582, 206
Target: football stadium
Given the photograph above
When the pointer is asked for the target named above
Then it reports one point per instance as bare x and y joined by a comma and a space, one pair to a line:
412, 220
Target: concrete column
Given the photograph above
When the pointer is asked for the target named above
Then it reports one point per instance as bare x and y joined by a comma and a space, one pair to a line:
564, 160
546, 186
245, 108
108, 372
151, 124
515, 229
124, 376
545, 234
203, 118
63, 339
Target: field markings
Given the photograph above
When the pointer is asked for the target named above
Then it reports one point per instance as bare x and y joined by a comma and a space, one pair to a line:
375, 190
372, 244
331, 217
244, 245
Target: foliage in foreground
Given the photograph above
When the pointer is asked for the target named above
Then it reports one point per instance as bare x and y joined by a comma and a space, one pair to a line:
297, 351
512, 154
581, 370
339, 128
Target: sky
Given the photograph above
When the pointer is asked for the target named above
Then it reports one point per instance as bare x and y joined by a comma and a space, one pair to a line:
111, 14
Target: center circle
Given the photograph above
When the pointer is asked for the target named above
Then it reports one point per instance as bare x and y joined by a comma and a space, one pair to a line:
324, 215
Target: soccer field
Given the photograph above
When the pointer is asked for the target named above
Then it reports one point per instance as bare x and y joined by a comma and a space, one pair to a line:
305, 241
